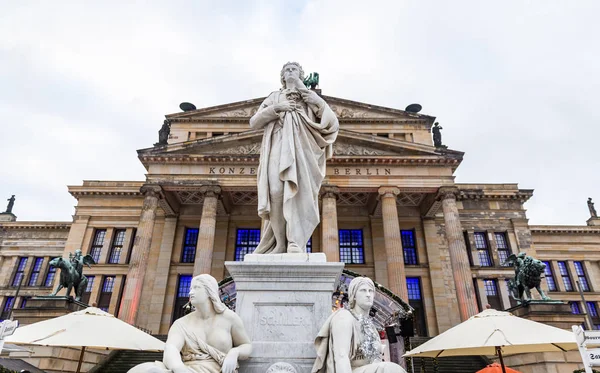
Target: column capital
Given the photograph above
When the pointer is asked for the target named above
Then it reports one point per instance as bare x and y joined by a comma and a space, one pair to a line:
330, 191
210, 190
151, 190
449, 192
388, 191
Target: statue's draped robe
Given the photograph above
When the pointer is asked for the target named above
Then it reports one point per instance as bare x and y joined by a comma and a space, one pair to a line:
196, 354
305, 143
326, 341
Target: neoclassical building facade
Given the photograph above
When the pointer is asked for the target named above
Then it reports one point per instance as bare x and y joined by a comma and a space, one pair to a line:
390, 209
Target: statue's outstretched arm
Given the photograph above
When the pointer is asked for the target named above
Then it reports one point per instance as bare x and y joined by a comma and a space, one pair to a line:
242, 346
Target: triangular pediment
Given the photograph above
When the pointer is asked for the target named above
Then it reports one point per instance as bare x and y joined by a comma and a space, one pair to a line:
346, 110
348, 144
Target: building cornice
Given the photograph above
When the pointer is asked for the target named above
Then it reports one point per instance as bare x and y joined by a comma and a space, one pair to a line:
521, 195
564, 229
35, 225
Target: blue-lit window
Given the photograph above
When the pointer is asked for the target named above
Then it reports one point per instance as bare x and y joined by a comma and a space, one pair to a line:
491, 290
592, 308
246, 242
309, 245
564, 273
483, 252
188, 254
97, 244
549, 277
575, 309
35, 271
117, 246
185, 284
409, 247
90, 284
583, 282
503, 249
109, 284
8, 305
24, 301
50, 276
20, 271
413, 285
351, 246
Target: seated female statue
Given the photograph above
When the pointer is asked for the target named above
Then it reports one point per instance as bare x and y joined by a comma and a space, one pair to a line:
210, 339
348, 341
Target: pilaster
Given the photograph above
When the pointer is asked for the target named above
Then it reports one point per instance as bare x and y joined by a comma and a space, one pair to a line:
329, 224
503, 289
206, 231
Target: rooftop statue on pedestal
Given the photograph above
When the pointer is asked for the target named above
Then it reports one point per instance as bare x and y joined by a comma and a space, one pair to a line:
591, 207
11, 203
299, 132
163, 133
528, 275
348, 341
437, 135
210, 339
71, 273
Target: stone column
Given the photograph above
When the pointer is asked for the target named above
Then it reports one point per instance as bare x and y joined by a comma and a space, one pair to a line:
465, 293
206, 231
329, 226
393, 242
139, 256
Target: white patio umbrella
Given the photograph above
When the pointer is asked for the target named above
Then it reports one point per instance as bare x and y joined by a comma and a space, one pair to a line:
92, 328
494, 332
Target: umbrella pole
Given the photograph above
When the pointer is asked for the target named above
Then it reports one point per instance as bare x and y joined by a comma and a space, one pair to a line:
499, 351
80, 359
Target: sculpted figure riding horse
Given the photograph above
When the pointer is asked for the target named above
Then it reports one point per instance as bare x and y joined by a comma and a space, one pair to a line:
71, 273
528, 275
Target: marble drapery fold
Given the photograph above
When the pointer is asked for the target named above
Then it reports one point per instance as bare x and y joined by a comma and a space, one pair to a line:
301, 143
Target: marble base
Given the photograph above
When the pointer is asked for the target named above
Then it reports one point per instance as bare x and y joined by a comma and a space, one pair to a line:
7, 217
283, 300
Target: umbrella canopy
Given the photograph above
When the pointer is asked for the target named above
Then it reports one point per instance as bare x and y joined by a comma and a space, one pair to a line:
483, 333
91, 327
496, 368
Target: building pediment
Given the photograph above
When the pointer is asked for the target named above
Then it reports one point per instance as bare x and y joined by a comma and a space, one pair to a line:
346, 110
349, 144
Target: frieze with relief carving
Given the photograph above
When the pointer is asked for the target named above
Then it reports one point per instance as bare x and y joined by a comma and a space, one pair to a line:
351, 149
349, 113
239, 150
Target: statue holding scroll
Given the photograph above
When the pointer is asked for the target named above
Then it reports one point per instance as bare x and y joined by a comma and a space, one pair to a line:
299, 132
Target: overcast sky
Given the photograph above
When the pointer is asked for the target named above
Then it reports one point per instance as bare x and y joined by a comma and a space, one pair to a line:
515, 84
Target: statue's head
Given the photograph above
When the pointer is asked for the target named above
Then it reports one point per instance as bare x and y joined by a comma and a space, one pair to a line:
361, 293
205, 288
78, 252
291, 69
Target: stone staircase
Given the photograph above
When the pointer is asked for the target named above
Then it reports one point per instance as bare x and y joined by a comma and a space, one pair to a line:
458, 364
122, 361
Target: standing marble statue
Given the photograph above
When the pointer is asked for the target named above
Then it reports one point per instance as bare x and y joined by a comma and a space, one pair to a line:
210, 339
299, 132
348, 341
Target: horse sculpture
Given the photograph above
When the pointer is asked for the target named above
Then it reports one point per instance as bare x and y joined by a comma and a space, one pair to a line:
528, 275
70, 278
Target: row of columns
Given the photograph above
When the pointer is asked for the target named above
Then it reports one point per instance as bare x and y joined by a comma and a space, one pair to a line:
459, 260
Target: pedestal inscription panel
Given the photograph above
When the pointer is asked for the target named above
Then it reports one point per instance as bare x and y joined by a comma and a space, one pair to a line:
283, 323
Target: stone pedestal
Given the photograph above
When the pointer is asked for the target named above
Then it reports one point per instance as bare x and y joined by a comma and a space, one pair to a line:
48, 358
283, 300
42, 308
593, 222
7, 216
554, 313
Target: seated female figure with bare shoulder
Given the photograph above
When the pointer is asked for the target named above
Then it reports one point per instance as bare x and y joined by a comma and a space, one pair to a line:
210, 339
348, 341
